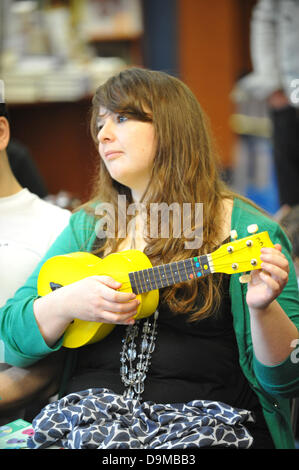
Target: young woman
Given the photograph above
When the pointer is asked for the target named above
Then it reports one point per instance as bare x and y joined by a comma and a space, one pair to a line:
214, 339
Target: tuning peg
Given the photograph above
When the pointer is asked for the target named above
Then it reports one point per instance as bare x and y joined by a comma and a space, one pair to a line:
245, 278
233, 234
253, 228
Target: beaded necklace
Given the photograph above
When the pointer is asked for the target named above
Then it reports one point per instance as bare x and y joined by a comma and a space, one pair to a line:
134, 367
133, 376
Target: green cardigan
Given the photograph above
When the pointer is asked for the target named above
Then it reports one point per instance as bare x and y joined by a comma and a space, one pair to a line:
274, 385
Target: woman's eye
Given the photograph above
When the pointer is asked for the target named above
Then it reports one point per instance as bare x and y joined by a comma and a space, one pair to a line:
121, 118
99, 126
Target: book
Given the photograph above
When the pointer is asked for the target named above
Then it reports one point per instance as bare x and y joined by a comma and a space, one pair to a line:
14, 435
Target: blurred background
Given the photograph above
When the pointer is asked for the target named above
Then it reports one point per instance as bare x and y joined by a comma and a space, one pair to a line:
54, 54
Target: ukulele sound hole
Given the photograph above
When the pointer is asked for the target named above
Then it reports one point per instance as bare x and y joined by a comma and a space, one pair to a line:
54, 286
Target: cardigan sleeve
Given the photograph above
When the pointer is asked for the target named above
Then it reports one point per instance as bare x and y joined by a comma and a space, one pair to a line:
21, 343
283, 379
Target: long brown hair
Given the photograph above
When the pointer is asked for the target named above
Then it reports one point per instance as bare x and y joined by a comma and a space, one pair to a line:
185, 170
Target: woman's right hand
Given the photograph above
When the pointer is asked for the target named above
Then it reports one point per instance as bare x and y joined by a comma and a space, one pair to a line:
94, 298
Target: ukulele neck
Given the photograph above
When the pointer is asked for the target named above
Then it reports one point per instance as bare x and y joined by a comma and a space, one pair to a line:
169, 274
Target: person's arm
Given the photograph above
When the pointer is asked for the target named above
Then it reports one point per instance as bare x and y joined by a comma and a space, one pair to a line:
265, 78
94, 298
21, 386
272, 331
273, 303
32, 326
281, 379
21, 343
264, 37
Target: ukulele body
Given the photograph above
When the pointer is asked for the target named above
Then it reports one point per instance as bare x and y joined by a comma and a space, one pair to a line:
65, 269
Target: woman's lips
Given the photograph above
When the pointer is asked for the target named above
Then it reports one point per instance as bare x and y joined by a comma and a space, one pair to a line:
111, 154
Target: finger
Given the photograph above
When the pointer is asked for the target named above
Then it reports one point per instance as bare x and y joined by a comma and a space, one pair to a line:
118, 297
116, 319
272, 251
276, 249
271, 283
254, 276
126, 307
109, 292
276, 272
276, 259
109, 281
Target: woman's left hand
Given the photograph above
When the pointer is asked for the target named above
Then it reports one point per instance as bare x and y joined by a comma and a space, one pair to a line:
267, 283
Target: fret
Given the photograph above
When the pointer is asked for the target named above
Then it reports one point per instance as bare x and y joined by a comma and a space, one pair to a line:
178, 271
157, 279
152, 278
161, 278
204, 260
143, 280
137, 282
198, 272
185, 268
133, 283
138, 275
164, 275
147, 278
190, 268
182, 271
169, 276
175, 271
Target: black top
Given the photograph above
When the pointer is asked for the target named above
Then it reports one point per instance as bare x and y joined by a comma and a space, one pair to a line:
197, 360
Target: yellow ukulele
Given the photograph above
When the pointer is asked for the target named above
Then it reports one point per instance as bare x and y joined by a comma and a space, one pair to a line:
134, 271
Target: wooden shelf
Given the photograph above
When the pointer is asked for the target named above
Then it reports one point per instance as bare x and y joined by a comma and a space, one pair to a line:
98, 37
58, 137
128, 47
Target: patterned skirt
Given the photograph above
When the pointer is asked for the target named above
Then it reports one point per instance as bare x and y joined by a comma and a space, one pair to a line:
98, 418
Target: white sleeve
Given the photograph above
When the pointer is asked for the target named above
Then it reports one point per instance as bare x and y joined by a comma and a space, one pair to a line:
264, 38
274, 39
265, 77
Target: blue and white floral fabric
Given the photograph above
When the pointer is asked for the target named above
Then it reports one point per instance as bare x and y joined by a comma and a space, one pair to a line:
101, 419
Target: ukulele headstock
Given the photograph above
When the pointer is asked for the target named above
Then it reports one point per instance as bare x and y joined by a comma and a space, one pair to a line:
241, 255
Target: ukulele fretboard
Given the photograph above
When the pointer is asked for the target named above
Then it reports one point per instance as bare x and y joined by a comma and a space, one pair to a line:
169, 274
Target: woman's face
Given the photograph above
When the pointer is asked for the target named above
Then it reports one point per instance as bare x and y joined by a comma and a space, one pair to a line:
128, 148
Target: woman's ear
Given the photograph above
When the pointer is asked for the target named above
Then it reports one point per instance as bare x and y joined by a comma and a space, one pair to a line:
4, 133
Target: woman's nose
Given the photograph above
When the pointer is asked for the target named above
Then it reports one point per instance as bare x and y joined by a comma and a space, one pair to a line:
106, 132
